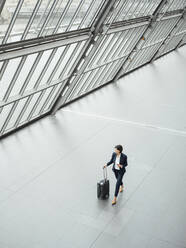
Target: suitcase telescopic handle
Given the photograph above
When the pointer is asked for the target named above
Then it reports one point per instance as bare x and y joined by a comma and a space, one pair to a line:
105, 173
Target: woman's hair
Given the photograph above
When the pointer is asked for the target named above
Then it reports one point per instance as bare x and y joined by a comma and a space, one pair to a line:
119, 148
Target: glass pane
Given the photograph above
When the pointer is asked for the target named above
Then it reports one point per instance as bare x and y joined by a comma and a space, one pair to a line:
8, 76
160, 31
30, 106
64, 61
74, 59
18, 109
53, 97
5, 17
175, 4
73, 15
115, 46
132, 9
4, 114
22, 20
45, 95
27, 19
57, 54
23, 74
142, 56
38, 70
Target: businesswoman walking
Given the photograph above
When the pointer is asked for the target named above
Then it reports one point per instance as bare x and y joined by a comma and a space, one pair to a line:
119, 161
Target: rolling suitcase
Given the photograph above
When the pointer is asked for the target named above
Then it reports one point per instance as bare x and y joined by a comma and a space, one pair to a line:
103, 186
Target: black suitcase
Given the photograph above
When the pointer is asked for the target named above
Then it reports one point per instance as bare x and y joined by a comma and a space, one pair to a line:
103, 186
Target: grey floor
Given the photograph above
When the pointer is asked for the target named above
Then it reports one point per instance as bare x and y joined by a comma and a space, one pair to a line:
49, 170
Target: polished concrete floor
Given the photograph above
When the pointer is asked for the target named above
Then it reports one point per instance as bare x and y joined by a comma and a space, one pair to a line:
49, 170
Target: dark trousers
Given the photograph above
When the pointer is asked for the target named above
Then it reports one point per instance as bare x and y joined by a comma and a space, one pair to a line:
119, 177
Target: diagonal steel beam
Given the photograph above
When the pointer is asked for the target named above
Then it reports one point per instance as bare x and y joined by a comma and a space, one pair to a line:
96, 28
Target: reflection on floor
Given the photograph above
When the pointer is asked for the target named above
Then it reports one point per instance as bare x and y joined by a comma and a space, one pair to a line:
49, 170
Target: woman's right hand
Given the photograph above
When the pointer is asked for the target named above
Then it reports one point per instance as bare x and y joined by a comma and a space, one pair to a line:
104, 166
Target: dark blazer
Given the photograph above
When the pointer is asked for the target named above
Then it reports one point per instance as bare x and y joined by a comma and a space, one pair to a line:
123, 161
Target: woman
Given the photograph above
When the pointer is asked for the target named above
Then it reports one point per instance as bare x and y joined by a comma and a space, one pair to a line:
119, 161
